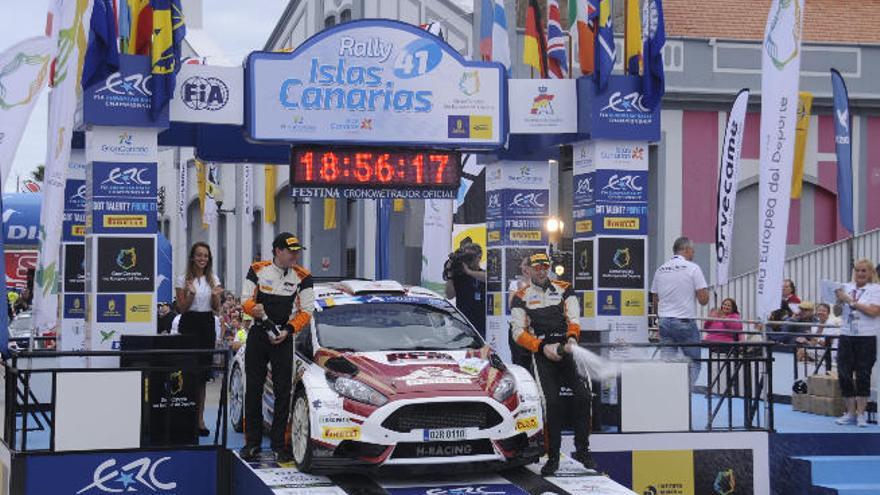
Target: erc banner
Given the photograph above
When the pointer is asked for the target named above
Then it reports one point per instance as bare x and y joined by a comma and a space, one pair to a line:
620, 188
376, 82
123, 198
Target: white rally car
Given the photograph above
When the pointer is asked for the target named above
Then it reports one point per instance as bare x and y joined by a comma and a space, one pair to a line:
390, 375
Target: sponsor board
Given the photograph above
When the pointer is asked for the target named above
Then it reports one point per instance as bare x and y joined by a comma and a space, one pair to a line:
542, 106
157, 473
621, 186
139, 308
669, 472
632, 303
112, 144
608, 303
18, 263
397, 83
126, 264
74, 267
21, 219
74, 306
621, 263
494, 303
494, 275
341, 432
123, 198
208, 94
589, 304
583, 265
123, 97
110, 308
617, 112
525, 203
517, 175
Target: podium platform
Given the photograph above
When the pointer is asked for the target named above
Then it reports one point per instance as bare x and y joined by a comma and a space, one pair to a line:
266, 477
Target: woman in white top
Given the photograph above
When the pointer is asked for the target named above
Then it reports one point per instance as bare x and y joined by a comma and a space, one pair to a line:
198, 298
857, 350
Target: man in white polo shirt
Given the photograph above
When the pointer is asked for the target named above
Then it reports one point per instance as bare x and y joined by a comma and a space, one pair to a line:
677, 283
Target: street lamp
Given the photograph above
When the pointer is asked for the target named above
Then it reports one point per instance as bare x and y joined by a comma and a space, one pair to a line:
554, 228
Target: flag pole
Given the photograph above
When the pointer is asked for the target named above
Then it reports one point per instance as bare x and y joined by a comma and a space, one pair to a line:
570, 55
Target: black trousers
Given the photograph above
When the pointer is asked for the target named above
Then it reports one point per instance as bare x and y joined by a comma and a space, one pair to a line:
552, 376
200, 327
855, 358
258, 354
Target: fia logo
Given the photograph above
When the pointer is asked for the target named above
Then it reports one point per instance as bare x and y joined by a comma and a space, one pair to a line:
126, 258
525, 200
621, 183
494, 201
584, 186
140, 472
126, 177
629, 103
204, 93
133, 85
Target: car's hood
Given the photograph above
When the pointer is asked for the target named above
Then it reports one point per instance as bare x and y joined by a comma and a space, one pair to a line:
405, 373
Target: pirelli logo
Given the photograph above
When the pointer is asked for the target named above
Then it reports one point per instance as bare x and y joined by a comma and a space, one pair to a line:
583, 226
525, 235
494, 236
78, 230
125, 221
341, 433
621, 223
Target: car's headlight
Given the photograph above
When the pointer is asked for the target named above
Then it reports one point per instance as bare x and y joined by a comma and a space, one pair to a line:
358, 391
504, 388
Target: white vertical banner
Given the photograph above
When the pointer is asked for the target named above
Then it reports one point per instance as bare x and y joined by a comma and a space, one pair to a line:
182, 193
436, 242
728, 178
247, 193
71, 18
24, 70
780, 70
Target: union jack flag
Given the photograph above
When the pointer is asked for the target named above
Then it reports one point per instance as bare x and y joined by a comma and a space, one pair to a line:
557, 56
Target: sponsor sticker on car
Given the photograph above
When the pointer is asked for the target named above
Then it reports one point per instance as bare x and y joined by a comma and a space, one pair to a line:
472, 366
341, 433
445, 434
528, 423
433, 375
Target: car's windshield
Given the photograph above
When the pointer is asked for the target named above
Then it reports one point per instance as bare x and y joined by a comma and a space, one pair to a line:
393, 326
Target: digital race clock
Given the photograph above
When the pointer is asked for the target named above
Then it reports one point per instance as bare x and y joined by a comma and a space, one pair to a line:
374, 168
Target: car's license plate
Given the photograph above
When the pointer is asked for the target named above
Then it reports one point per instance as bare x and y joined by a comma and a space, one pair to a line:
444, 434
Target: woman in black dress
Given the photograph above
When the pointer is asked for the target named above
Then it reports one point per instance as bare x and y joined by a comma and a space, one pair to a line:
198, 297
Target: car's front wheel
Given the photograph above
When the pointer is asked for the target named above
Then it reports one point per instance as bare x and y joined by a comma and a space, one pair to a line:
301, 433
236, 399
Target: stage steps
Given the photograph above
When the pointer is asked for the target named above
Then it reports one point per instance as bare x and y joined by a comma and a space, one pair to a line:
839, 474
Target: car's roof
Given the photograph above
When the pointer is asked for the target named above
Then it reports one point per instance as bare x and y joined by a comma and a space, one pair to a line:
371, 291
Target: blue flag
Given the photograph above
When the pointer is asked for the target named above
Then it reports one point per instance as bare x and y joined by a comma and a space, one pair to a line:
653, 79
843, 146
605, 53
102, 53
169, 30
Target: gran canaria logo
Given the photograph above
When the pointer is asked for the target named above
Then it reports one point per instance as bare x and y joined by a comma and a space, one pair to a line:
783, 40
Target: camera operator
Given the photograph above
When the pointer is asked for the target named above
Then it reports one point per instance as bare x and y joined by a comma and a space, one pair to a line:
466, 282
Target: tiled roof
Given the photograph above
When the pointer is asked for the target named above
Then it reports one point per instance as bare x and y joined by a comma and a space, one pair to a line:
825, 21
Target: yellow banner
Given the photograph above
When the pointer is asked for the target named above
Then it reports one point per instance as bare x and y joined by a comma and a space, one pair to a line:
589, 304
669, 472
138, 308
621, 223
632, 303
202, 182
329, 214
269, 208
805, 104
125, 221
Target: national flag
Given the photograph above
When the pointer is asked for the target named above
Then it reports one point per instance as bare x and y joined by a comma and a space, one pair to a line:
500, 42
124, 25
843, 147
487, 19
606, 54
141, 25
632, 44
102, 54
557, 55
534, 46
802, 128
169, 30
582, 17
654, 34
269, 194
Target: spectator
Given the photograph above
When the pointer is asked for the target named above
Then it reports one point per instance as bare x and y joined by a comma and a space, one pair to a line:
675, 286
166, 317
198, 296
787, 331
24, 301
466, 282
241, 335
790, 300
728, 310
858, 341
825, 317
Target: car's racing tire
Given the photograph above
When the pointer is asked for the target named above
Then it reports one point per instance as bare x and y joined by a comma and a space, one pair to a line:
236, 398
300, 438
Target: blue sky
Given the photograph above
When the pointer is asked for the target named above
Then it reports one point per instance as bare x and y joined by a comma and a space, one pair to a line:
237, 27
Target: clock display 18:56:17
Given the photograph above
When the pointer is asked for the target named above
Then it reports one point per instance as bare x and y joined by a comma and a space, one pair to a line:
316, 166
